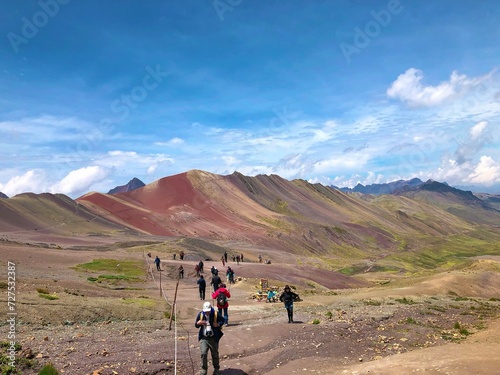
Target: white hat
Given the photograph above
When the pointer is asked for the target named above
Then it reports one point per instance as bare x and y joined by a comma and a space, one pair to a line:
207, 307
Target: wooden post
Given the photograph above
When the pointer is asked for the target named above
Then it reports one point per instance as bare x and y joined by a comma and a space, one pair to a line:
173, 305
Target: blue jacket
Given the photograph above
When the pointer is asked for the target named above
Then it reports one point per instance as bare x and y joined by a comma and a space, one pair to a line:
211, 316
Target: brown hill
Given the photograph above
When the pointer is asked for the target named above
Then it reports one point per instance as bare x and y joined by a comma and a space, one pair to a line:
295, 216
44, 216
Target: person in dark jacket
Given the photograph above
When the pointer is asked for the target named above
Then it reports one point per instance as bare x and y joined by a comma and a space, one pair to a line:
202, 286
287, 297
157, 262
216, 280
209, 323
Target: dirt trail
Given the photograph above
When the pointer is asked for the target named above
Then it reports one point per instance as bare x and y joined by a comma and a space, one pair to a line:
410, 328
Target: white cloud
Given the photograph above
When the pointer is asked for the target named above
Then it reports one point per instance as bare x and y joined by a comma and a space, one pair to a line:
409, 89
478, 129
487, 172
33, 181
80, 180
346, 161
230, 160
172, 142
152, 168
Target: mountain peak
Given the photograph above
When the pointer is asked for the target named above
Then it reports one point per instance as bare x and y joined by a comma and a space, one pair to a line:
133, 184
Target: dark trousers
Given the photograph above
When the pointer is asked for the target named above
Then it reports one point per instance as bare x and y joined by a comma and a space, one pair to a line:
202, 293
223, 312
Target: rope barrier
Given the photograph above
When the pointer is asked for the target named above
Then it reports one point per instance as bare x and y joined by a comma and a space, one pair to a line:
174, 315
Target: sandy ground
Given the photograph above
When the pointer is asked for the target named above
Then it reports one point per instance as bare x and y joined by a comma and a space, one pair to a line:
408, 326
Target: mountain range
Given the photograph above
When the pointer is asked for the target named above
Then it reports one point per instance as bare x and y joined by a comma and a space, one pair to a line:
386, 188
419, 225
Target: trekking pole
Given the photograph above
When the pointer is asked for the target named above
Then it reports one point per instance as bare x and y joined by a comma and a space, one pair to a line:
173, 305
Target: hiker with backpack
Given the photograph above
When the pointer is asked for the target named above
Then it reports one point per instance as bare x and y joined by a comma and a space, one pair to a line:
221, 296
209, 323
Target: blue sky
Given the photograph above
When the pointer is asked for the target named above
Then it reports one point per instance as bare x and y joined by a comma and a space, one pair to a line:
95, 93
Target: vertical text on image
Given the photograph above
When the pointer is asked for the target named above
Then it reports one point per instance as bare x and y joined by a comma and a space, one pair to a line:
11, 313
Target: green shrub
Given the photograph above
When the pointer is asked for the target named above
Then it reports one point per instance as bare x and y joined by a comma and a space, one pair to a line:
464, 332
315, 321
48, 369
410, 320
50, 297
405, 301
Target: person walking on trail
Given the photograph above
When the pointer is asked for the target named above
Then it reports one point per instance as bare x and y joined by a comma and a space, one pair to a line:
216, 280
223, 261
201, 266
287, 297
230, 275
225, 256
202, 286
157, 262
197, 270
221, 295
181, 272
209, 323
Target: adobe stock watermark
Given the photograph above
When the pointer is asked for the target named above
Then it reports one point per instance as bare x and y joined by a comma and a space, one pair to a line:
30, 27
372, 29
223, 6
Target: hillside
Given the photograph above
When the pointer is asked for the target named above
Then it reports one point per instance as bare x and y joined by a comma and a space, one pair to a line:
462, 204
342, 230
429, 228
42, 216
393, 278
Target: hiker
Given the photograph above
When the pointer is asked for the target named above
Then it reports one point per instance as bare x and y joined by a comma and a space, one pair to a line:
221, 295
241, 258
174, 255
214, 270
287, 297
209, 323
202, 286
181, 272
197, 270
237, 259
223, 261
230, 275
225, 256
271, 296
216, 280
260, 258
157, 262
181, 255
201, 266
